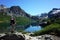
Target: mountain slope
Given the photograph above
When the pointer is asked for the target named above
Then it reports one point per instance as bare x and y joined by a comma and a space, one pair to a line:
5, 22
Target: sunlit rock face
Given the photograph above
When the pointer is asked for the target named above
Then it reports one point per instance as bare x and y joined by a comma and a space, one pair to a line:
3, 9
55, 12
2, 6
44, 16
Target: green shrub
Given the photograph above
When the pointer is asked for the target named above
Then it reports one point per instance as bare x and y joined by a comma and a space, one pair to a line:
47, 30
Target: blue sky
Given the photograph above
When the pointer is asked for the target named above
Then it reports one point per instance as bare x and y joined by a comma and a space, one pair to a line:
33, 7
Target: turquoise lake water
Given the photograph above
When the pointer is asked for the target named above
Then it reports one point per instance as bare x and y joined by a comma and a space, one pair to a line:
33, 28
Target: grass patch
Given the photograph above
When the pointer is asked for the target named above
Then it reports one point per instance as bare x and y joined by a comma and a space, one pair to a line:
53, 28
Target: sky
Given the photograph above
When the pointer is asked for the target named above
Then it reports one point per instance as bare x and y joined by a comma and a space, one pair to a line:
33, 7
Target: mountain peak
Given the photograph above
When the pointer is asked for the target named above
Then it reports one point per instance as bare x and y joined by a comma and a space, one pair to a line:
15, 10
56, 9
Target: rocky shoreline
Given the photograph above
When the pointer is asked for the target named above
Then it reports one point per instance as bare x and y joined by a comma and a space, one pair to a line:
20, 36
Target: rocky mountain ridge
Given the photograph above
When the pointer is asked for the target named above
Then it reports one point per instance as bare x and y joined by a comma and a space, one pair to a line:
13, 10
55, 12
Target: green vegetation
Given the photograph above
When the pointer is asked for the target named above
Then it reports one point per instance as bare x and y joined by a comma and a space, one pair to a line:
52, 28
23, 20
23, 32
5, 22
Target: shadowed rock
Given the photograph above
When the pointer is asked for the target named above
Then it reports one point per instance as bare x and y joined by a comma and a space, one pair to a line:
12, 37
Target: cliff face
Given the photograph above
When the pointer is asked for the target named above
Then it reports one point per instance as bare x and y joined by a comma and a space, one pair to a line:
13, 10
55, 12
17, 11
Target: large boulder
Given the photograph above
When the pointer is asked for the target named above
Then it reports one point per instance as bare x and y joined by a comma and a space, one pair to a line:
12, 37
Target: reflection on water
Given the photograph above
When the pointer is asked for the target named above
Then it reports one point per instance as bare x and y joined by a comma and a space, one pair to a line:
33, 28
